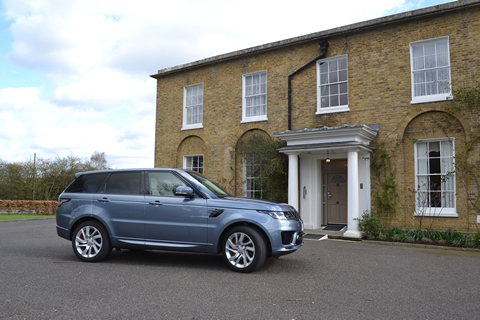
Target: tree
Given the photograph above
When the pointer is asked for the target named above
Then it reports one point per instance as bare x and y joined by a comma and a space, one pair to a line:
51, 176
98, 161
271, 175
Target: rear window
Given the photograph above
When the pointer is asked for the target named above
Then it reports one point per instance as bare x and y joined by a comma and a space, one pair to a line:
88, 183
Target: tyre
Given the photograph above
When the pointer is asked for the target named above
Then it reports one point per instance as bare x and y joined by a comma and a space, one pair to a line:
244, 249
91, 242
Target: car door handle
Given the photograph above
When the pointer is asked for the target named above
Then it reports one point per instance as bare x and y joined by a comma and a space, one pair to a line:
155, 203
103, 200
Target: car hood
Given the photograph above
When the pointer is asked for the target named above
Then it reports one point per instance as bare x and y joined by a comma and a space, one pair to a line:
249, 204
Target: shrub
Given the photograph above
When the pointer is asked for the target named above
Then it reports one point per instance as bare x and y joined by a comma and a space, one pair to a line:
370, 225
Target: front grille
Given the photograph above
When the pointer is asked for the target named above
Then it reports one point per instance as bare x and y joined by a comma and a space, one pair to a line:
292, 215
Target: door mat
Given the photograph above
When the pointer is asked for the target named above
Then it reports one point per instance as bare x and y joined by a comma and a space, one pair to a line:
315, 236
334, 227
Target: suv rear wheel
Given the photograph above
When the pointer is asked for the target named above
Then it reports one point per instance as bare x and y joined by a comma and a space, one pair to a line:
90, 242
244, 249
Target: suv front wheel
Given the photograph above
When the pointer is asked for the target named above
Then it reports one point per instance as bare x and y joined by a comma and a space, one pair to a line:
244, 249
90, 242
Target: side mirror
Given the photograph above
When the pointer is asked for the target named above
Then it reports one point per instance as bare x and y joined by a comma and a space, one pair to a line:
184, 191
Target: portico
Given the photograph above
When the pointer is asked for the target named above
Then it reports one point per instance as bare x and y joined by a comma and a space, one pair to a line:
329, 174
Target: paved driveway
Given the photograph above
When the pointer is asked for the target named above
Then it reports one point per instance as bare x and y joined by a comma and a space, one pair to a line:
40, 278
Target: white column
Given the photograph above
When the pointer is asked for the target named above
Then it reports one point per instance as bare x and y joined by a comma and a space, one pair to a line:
353, 197
293, 180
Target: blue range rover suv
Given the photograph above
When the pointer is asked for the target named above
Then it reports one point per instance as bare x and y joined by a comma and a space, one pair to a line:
172, 209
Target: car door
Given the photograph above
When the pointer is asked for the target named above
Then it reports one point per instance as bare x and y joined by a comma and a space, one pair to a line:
173, 222
120, 203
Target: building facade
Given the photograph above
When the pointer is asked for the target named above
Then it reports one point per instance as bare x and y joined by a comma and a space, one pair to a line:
365, 110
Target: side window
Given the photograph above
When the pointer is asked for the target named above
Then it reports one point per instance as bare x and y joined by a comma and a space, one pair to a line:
163, 183
88, 183
254, 97
332, 83
123, 183
430, 63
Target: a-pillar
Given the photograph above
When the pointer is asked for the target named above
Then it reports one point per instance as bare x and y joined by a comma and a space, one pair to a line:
353, 197
293, 180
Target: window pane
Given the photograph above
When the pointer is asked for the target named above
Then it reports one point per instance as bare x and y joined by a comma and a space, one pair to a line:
123, 183
163, 183
324, 68
430, 62
418, 63
324, 78
334, 101
334, 89
417, 51
324, 91
419, 77
429, 49
419, 90
324, 102
442, 46
333, 77
88, 183
332, 65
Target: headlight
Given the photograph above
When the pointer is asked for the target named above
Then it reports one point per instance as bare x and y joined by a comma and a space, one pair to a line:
282, 215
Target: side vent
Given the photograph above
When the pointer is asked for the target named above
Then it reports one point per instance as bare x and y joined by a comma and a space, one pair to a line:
212, 213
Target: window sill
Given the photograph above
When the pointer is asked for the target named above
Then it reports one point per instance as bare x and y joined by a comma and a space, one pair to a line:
200, 126
332, 110
442, 214
436, 98
257, 119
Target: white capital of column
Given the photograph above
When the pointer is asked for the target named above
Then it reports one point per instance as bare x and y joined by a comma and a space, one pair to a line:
293, 180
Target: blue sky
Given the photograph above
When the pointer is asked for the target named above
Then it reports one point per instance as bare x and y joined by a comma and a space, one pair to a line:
74, 75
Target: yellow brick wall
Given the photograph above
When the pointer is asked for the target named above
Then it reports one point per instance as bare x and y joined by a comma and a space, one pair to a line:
379, 81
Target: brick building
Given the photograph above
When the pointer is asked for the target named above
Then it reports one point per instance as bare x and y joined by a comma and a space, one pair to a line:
339, 98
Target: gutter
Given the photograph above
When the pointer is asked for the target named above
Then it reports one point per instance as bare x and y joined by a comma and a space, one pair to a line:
324, 47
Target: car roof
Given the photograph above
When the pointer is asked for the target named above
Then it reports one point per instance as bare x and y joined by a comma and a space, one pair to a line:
78, 174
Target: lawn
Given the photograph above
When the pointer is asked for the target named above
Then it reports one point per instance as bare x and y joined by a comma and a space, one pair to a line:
11, 216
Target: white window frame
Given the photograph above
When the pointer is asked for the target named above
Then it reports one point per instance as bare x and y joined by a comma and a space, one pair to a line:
189, 166
447, 177
441, 85
258, 95
337, 81
250, 180
188, 103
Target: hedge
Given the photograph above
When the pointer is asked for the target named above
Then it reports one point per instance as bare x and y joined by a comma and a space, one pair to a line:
28, 206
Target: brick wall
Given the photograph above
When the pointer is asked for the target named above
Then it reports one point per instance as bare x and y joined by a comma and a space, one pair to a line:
379, 94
